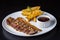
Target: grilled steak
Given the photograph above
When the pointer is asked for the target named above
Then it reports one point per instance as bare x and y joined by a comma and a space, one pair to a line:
22, 25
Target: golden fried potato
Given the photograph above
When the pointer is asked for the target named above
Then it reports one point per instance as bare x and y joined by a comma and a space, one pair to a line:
35, 8
26, 13
34, 19
30, 17
32, 13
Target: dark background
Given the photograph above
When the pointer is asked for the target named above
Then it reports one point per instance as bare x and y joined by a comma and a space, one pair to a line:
9, 6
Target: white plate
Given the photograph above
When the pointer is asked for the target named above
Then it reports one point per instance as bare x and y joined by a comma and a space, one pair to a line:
19, 14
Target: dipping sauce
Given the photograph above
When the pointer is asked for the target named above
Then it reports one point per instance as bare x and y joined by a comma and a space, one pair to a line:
43, 19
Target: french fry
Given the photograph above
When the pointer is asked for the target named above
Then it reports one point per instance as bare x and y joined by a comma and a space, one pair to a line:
32, 13
35, 8
34, 20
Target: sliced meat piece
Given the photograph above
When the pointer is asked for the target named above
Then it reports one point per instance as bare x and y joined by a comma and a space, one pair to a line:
32, 32
17, 27
22, 25
9, 20
25, 30
13, 24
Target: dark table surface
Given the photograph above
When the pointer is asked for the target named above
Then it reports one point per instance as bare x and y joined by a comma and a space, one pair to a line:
51, 6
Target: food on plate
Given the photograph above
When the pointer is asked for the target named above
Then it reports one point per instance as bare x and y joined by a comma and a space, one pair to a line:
22, 25
43, 19
34, 19
32, 12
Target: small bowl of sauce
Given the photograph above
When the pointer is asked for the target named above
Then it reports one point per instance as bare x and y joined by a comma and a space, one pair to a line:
44, 21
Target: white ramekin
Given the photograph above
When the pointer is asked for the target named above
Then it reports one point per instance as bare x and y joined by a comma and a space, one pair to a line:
44, 24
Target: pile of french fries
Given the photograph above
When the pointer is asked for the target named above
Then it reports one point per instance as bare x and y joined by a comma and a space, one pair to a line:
32, 12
